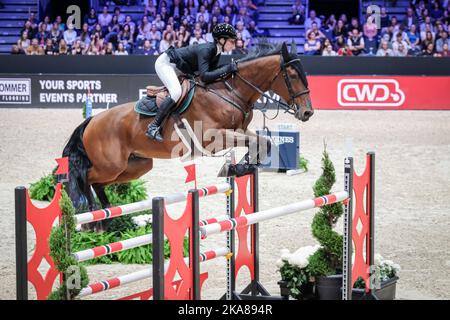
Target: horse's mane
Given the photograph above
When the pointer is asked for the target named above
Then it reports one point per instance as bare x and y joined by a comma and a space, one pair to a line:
264, 48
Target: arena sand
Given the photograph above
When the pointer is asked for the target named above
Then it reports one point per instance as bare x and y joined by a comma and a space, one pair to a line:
412, 190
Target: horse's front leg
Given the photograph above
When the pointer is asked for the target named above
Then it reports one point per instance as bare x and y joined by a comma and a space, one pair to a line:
258, 147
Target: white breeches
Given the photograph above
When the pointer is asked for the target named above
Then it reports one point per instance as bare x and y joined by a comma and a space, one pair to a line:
167, 73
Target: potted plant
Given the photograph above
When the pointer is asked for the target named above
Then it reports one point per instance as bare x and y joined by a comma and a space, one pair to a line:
387, 274
295, 277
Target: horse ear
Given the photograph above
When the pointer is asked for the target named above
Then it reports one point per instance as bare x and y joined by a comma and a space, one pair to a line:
284, 52
293, 47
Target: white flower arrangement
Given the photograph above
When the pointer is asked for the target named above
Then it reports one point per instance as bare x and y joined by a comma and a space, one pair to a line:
142, 220
299, 258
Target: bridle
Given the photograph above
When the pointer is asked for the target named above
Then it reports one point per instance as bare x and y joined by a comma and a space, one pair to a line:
289, 107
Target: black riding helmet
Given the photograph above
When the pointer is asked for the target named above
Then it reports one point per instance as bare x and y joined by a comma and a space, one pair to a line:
224, 30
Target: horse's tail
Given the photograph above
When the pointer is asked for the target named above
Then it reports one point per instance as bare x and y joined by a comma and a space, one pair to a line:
79, 164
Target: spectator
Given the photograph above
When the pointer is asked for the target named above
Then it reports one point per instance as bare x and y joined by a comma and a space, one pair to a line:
170, 30
428, 29
176, 9
312, 45
370, 30
384, 18
113, 30
343, 17
164, 14
413, 38
436, 11
92, 50
445, 51
98, 30
255, 31
410, 18
354, 25
55, 34
312, 18
339, 30
388, 34
77, 48
160, 24
61, 24
63, 49
328, 51
242, 16
91, 19
298, 13
150, 11
30, 31
429, 38
214, 21
84, 36
197, 38
183, 35
429, 50
33, 20
48, 25
144, 28
70, 35
203, 12
229, 13
23, 42
331, 22
16, 50
239, 49
126, 37
130, 22
394, 23
216, 13
120, 50
426, 25
402, 51
104, 19
355, 42
443, 40
120, 16
398, 41
192, 7
344, 51
318, 34
384, 50
34, 48
245, 35
232, 5
49, 48
42, 34
109, 50
202, 22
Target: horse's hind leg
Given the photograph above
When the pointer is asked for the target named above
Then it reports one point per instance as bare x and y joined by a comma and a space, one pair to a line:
137, 167
101, 195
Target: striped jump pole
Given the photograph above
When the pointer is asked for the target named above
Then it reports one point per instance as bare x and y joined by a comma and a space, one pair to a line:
118, 246
143, 274
118, 211
256, 217
123, 245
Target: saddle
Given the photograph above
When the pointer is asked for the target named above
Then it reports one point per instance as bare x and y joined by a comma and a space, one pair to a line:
156, 94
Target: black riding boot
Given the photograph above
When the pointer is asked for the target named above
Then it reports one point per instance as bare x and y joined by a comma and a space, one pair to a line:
153, 130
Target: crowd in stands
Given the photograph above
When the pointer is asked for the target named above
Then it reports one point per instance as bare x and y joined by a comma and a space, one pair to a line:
178, 23
163, 24
423, 32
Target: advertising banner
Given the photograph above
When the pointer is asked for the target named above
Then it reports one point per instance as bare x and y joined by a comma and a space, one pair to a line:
327, 92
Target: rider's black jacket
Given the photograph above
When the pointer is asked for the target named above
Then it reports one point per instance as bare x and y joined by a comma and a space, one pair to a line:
201, 59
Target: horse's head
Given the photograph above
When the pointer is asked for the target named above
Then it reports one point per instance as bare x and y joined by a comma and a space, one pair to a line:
291, 84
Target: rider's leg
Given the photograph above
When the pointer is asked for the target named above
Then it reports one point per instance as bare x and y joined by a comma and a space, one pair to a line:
166, 72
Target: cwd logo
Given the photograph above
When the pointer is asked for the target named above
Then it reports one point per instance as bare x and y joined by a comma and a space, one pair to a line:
370, 93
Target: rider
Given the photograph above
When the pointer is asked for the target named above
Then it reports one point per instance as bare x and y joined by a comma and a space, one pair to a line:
198, 58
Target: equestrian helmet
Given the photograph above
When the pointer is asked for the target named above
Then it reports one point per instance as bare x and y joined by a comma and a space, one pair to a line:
224, 30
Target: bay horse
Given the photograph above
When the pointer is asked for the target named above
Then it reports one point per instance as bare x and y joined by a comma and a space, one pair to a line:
111, 147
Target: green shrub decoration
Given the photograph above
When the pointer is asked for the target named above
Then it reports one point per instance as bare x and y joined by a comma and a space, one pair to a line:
60, 252
328, 259
44, 189
303, 163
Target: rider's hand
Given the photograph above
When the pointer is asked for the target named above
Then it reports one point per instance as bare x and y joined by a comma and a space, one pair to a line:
233, 68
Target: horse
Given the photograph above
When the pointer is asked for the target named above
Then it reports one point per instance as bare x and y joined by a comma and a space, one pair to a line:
111, 147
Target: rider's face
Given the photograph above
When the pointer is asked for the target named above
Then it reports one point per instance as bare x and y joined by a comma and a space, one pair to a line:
230, 44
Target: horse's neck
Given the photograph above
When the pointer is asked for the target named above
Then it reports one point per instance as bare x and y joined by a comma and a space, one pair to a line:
260, 73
